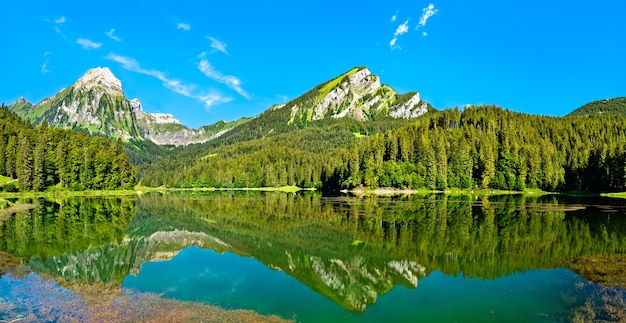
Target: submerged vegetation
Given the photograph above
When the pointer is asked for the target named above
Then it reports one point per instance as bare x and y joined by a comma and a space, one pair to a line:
51, 302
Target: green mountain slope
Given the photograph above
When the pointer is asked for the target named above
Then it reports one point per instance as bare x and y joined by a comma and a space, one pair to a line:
354, 95
606, 106
96, 103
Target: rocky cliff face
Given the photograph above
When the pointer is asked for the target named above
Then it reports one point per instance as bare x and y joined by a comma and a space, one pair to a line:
96, 102
165, 129
357, 94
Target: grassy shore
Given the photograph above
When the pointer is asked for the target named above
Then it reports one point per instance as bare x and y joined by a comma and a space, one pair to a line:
621, 195
454, 191
287, 189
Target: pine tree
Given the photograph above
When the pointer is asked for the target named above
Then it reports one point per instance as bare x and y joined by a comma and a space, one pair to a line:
24, 164
39, 161
3, 148
11, 150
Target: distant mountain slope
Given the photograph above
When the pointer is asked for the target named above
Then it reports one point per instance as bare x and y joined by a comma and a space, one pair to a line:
96, 102
356, 94
606, 106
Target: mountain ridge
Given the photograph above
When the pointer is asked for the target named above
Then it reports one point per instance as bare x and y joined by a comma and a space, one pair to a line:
612, 106
96, 102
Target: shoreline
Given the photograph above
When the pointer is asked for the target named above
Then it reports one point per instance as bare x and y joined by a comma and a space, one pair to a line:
473, 192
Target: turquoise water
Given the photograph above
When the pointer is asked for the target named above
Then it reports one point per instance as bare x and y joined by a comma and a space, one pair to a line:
316, 259
236, 282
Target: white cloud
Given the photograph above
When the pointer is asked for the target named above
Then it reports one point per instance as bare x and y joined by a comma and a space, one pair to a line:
58, 31
424, 34
57, 23
426, 13
217, 45
110, 35
87, 43
231, 81
394, 17
187, 90
402, 29
213, 99
183, 26
282, 98
44, 67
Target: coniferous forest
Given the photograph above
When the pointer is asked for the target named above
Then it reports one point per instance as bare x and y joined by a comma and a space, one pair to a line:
42, 157
478, 147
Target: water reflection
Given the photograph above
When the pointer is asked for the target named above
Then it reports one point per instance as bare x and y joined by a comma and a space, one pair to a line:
350, 250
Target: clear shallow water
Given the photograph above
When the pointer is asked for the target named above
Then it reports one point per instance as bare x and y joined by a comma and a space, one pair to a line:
317, 259
236, 282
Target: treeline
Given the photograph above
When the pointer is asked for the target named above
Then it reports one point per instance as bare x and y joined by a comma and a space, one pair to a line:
483, 146
489, 147
615, 106
42, 157
297, 157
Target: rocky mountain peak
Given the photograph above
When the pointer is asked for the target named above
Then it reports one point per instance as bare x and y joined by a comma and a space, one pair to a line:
100, 77
135, 104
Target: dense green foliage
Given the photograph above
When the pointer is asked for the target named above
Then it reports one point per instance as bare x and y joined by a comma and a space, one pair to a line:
485, 147
615, 106
489, 147
42, 157
296, 157
53, 229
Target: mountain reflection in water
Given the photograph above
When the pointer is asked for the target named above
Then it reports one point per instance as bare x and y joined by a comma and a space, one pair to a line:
350, 250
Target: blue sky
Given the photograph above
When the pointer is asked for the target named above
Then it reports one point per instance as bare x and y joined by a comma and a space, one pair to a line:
206, 61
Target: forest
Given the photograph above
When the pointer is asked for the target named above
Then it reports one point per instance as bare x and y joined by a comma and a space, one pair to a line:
42, 158
477, 147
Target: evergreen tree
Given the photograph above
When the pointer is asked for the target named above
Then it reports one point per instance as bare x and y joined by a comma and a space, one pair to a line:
24, 164
39, 161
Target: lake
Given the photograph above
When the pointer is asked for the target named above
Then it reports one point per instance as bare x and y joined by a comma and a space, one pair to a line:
314, 258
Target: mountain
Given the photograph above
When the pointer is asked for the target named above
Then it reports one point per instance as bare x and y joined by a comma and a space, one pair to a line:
356, 95
96, 103
165, 129
616, 106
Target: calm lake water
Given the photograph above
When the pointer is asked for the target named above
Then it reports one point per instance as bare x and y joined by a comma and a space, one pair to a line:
322, 259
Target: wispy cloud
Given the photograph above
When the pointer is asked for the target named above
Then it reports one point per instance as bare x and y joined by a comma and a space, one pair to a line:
213, 99
129, 63
231, 81
57, 23
87, 44
44, 67
402, 29
110, 35
183, 26
282, 98
217, 45
426, 13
